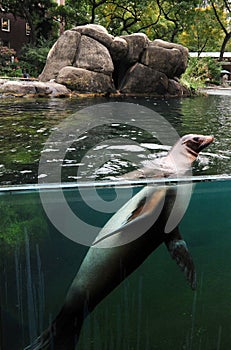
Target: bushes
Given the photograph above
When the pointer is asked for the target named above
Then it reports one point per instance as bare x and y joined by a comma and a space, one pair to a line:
31, 59
8, 66
201, 71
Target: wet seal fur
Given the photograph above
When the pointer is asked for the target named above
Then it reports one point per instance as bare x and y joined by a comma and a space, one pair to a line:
103, 269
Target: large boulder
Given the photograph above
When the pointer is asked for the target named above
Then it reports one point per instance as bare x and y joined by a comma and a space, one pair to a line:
87, 59
136, 44
85, 81
96, 32
167, 58
118, 49
183, 61
143, 79
93, 56
62, 54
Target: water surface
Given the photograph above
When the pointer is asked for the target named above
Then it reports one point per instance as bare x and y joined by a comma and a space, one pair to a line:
26, 124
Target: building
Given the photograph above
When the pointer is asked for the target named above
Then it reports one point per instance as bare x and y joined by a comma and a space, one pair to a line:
14, 32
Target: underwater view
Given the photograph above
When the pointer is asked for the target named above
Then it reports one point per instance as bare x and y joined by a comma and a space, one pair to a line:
76, 273
154, 308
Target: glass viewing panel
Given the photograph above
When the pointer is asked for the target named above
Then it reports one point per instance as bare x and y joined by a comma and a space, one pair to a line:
153, 308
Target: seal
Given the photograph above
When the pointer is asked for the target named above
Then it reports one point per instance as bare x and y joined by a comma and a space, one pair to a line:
103, 269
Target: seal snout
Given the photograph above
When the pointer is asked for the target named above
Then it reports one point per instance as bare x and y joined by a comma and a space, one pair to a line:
205, 141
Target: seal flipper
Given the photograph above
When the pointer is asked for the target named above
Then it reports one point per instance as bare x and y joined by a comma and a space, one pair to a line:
62, 334
178, 250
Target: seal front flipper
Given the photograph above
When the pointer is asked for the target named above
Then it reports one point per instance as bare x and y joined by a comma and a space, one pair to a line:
178, 250
134, 218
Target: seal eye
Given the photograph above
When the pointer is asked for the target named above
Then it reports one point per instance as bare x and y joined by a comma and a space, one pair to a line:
196, 139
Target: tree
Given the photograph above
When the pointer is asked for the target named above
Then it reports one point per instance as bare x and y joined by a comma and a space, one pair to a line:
202, 32
224, 20
123, 17
175, 14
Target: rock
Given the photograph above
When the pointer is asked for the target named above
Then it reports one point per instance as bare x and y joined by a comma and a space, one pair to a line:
19, 88
175, 88
136, 45
164, 60
168, 58
182, 64
93, 56
118, 49
32, 88
85, 81
143, 79
96, 32
88, 59
62, 54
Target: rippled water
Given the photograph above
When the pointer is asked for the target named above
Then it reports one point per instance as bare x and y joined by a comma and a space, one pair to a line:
26, 124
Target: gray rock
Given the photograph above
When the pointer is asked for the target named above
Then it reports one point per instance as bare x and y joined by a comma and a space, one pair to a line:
168, 58
61, 54
89, 60
161, 59
19, 88
182, 64
85, 81
143, 79
136, 44
118, 49
96, 32
93, 56
33, 88
175, 88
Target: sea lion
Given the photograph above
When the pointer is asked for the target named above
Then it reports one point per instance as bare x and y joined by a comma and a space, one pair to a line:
102, 270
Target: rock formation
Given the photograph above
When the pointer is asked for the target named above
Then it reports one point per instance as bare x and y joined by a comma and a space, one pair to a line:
87, 59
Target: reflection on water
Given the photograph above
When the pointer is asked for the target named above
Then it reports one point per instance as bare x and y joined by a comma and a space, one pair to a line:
152, 309
26, 124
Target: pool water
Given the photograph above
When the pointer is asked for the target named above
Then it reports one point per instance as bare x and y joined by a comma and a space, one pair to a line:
154, 308
25, 126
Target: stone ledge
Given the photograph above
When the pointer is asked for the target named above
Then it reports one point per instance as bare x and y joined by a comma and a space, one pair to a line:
32, 88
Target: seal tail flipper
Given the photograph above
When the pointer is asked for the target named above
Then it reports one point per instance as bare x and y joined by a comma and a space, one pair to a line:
63, 334
178, 250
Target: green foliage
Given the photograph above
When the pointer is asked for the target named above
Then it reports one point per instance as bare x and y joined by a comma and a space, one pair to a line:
6, 53
199, 25
33, 58
7, 67
18, 215
202, 31
201, 71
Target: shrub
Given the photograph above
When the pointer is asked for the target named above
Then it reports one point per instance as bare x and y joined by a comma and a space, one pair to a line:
34, 58
201, 71
7, 65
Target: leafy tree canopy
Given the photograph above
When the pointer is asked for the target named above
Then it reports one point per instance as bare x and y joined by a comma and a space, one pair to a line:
200, 25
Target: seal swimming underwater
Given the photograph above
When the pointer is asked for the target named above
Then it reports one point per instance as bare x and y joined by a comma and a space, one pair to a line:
102, 270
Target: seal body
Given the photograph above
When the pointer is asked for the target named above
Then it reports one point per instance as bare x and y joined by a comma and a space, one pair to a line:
103, 269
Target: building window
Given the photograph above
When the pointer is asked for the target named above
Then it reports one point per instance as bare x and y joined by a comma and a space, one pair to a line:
5, 23
28, 29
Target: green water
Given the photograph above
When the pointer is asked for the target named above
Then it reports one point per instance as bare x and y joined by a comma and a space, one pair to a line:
26, 124
153, 309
